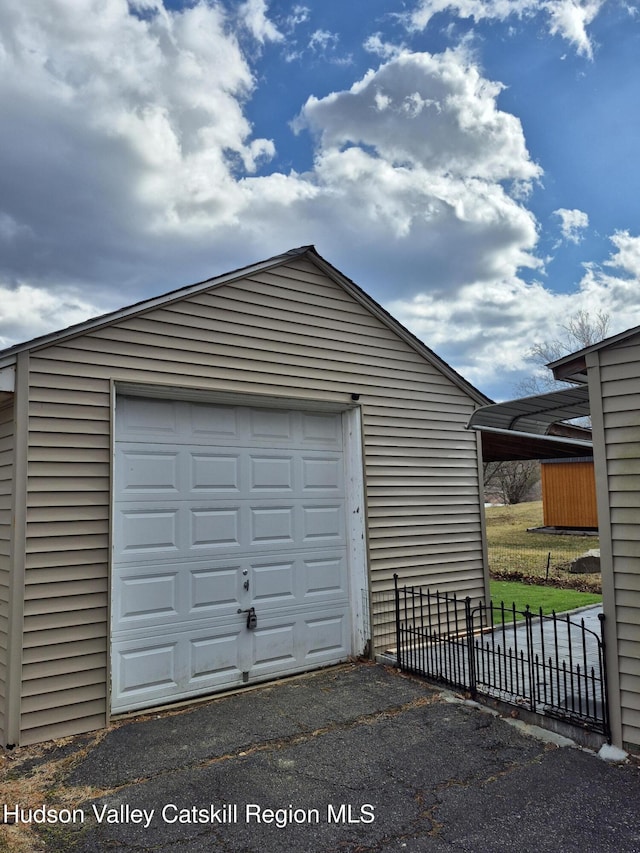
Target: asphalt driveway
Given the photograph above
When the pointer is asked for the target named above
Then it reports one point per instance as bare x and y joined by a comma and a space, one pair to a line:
356, 758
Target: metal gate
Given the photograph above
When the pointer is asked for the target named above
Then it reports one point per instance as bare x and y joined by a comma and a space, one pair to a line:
552, 665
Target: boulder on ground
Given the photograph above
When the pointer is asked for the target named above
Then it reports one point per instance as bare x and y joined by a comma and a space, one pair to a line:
586, 563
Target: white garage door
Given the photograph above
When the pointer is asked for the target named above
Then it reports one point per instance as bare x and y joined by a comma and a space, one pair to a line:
218, 510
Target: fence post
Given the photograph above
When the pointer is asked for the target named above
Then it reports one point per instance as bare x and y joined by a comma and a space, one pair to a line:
604, 686
528, 619
471, 656
397, 591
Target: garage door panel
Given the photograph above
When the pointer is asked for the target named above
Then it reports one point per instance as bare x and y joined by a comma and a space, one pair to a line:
288, 642
148, 597
215, 659
166, 530
213, 472
272, 526
326, 637
272, 474
162, 669
275, 644
324, 430
297, 579
192, 473
147, 533
273, 584
147, 420
322, 475
214, 591
212, 423
143, 599
271, 425
324, 577
214, 528
148, 472
147, 669
323, 525
220, 509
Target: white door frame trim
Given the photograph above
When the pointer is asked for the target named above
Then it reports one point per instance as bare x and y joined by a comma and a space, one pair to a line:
357, 548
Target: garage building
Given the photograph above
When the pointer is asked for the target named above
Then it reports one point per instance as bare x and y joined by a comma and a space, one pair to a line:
206, 490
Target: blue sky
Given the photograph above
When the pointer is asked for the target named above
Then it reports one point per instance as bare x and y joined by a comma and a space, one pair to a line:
471, 164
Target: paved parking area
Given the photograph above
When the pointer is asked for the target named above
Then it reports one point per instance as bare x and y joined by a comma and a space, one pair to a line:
351, 759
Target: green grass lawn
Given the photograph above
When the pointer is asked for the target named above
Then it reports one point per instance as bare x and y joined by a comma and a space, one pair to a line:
548, 597
515, 554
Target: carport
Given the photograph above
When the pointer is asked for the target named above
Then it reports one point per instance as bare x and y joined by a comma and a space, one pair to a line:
606, 386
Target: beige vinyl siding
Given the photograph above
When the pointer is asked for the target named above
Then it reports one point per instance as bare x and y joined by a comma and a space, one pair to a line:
6, 495
291, 332
619, 368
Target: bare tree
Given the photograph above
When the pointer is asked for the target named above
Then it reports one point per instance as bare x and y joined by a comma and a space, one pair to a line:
581, 330
511, 481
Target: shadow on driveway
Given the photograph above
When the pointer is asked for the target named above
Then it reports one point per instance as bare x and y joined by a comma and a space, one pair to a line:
352, 759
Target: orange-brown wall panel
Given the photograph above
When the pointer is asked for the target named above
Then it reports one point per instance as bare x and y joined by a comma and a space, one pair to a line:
569, 494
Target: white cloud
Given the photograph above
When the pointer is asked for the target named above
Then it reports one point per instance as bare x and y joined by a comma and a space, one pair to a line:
567, 18
384, 49
130, 162
117, 127
486, 328
431, 111
614, 286
570, 19
28, 311
129, 167
572, 223
324, 44
298, 15
321, 40
253, 14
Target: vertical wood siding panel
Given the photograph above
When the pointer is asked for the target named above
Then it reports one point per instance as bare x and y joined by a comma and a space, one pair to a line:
431, 475
569, 494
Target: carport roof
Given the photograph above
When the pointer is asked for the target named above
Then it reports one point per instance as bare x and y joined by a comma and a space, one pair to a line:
526, 428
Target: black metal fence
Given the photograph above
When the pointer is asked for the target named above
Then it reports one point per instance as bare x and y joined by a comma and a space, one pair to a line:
552, 665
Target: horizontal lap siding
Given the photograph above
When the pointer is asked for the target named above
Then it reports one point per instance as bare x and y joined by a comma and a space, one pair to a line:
66, 593
6, 491
291, 333
619, 376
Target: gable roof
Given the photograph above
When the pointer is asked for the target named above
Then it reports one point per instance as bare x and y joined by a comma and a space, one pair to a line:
8, 356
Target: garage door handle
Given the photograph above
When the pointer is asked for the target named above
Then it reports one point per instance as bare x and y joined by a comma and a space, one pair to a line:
252, 618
